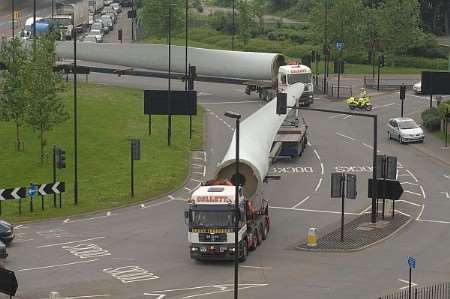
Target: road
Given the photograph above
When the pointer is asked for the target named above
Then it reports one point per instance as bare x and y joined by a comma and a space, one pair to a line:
141, 251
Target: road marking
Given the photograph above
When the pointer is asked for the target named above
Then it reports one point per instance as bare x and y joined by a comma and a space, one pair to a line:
313, 211
413, 284
412, 175
226, 103
409, 202
368, 146
196, 172
334, 116
447, 194
318, 184
201, 159
413, 193
421, 212
197, 165
204, 171
84, 251
434, 221
56, 266
447, 176
186, 188
68, 220
409, 183
129, 274
321, 169
290, 169
255, 267
387, 105
88, 296
423, 192
365, 210
348, 116
317, 154
158, 204
20, 226
72, 242
198, 181
345, 136
305, 199
403, 213
309, 144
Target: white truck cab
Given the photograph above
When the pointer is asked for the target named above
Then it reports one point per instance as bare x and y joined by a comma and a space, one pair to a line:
297, 73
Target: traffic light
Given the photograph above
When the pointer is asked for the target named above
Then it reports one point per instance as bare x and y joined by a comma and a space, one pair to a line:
402, 91
381, 60
281, 103
60, 158
351, 192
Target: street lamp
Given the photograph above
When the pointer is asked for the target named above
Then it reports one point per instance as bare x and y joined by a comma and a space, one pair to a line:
232, 30
75, 119
169, 112
326, 50
237, 180
186, 66
12, 17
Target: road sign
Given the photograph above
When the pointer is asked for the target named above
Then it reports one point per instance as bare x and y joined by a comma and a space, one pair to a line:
394, 189
339, 45
412, 262
351, 192
51, 188
136, 149
386, 167
32, 190
336, 184
13, 193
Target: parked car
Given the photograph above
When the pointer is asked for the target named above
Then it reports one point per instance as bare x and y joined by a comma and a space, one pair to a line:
98, 35
126, 3
405, 130
107, 21
6, 232
90, 39
417, 88
116, 7
107, 2
98, 26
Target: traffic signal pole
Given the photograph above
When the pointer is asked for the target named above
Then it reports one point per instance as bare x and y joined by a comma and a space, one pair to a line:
54, 174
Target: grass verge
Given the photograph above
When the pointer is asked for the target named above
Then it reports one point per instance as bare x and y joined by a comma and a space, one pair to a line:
107, 118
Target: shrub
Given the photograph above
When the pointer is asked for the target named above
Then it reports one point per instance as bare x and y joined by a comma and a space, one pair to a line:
431, 119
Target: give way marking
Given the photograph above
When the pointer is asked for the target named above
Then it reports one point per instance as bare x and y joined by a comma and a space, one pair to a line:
413, 284
203, 290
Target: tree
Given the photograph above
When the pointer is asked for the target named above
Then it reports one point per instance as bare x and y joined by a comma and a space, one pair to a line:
154, 17
244, 20
13, 102
259, 7
46, 108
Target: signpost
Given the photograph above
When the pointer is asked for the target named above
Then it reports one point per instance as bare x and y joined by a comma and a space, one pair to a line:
342, 185
32, 190
412, 265
402, 95
135, 155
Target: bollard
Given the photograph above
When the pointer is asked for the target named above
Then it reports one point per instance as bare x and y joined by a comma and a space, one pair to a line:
312, 238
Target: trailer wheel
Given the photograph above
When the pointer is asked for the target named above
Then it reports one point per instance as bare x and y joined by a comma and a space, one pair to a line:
254, 239
265, 231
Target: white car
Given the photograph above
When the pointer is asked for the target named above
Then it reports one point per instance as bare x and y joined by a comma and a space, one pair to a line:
404, 130
418, 88
90, 39
98, 35
116, 7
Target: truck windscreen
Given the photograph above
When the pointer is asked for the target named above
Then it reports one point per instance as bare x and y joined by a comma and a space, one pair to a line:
212, 218
299, 78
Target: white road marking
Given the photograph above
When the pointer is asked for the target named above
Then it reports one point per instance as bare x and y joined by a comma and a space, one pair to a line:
348, 116
201, 159
22, 240
198, 181
403, 213
317, 154
20, 226
56, 266
130, 274
313, 211
204, 171
409, 183
433, 221
84, 251
68, 220
197, 165
409, 202
89, 296
309, 144
255, 267
423, 192
412, 175
413, 284
305, 199
421, 212
365, 210
226, 103
171, 197
186, 188
334, 116
368, 146
71, 242
447, 194
318, 184
158, 204
345, 136
196, 172
321, 169
387, 105
413, 193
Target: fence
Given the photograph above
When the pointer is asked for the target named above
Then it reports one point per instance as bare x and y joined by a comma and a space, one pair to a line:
437, 291
332, 88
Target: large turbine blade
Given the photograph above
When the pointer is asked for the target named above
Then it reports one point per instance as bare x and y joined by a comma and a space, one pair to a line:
257, 133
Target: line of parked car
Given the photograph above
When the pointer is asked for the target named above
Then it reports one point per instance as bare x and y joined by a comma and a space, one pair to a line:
103, 22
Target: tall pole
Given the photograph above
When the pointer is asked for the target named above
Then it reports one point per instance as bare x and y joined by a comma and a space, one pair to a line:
132, 20
53, 9
169, 116
12, 18
75, 125
325, 48
236, 224
233, 29
374, 170
186, 66
342, 206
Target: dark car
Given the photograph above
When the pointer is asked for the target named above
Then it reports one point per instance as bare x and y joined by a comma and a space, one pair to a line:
6, 232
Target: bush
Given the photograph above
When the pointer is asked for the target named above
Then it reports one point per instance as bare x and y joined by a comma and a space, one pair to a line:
431, 119
427, 46
417, 62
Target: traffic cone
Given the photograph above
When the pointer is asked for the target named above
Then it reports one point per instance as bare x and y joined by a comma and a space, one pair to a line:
312, 238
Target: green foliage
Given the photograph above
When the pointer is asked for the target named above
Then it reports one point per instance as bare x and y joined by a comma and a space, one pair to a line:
45, 107
431, 119
222, 22
289, 34
443, 108
13, 101
245, 21
154, 17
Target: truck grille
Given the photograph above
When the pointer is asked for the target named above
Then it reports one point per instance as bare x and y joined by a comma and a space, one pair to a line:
203, 237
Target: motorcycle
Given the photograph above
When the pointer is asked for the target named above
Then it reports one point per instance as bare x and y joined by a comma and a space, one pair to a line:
362, 102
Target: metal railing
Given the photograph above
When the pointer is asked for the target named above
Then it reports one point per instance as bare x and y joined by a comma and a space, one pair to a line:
437, 291
332, 88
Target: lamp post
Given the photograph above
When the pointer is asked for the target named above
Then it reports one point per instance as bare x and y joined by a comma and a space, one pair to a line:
325, 47
186, 66
12, 18
132, 20
169, 112
237, 177
75, 118
233, 29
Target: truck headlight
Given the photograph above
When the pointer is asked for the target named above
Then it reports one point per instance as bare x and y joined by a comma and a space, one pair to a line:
223, 249
232, 249
194, 249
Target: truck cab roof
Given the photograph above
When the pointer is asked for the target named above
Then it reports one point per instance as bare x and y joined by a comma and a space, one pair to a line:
294, 69
213, 195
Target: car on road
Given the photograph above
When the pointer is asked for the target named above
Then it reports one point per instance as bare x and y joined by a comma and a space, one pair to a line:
3, 253
107, 21
98, 26
90, 39
116, 7
6, 232
98, 35
417, 88
405, 129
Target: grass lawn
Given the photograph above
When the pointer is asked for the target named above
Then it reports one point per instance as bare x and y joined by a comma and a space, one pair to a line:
107, 118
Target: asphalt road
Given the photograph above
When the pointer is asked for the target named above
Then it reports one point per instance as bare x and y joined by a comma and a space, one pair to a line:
141, 251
